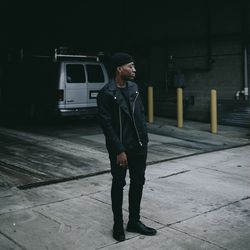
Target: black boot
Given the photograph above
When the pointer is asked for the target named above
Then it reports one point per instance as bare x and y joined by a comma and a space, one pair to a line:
118, 232
140, 228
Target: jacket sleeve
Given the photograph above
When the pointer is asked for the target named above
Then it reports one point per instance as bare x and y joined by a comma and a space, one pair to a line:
105, 110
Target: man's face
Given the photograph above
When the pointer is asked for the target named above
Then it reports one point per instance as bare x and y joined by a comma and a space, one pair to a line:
127, 71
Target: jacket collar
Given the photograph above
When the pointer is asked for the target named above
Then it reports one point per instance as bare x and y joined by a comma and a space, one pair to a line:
112, 85
116, 93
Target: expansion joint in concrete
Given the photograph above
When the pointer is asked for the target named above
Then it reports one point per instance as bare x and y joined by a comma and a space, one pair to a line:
13, 241
56, 220
209, 211
177, 173
47, 203
199, 238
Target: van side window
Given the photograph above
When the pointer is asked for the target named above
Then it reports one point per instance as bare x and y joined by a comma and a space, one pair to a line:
95, 73
75, 73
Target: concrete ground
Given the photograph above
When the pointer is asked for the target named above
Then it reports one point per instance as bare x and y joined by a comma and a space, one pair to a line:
196, 201
34, 154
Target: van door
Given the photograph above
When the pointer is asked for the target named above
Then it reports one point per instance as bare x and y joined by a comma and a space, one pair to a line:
75, 85
96, 78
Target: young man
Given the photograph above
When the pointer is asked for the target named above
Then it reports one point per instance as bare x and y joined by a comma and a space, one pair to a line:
123, 122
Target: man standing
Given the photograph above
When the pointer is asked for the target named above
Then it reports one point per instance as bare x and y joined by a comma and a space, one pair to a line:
123, 122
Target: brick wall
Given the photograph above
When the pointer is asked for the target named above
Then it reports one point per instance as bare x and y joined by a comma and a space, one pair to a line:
207, 62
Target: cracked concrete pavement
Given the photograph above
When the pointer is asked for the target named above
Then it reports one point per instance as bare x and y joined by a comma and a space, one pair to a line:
196, 202
196, 196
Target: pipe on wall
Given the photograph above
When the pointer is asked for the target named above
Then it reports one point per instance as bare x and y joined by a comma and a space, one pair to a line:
245, 91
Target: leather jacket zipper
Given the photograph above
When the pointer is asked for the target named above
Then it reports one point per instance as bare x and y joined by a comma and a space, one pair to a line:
139, 140
120, 120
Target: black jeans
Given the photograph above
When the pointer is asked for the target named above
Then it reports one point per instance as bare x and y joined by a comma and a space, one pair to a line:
136, 166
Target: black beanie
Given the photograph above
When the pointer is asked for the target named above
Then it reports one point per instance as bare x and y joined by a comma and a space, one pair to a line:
119, 59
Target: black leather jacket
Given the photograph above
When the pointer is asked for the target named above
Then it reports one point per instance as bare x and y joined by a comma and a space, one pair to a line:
114, 115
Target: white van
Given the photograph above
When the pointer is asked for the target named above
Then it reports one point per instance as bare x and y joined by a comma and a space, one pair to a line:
59, 85
80, 79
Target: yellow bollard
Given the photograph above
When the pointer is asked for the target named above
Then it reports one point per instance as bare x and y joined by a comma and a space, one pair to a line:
179, 108
213, 111
150, 105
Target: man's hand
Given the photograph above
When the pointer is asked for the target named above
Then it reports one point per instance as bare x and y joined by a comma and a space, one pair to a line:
121, 160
